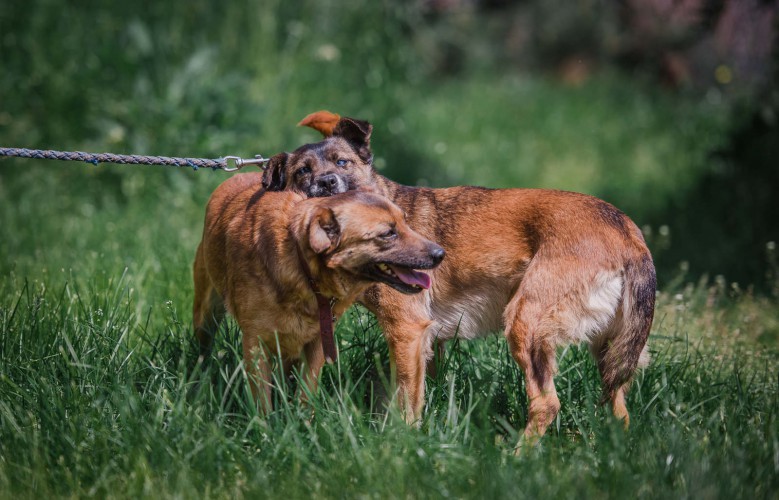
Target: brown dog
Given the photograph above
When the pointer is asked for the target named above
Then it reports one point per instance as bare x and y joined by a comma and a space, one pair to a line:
264, 253
546, 267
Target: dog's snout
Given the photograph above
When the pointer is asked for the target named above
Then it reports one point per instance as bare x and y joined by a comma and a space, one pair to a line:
328, 182
327, 185
437, 254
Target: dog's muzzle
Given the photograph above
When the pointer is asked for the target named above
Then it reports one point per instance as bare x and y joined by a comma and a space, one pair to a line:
327, 185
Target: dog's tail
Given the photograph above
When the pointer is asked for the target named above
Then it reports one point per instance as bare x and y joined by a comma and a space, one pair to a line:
626, 349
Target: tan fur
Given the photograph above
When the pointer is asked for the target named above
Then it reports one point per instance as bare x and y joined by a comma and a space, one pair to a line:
248, 264
528, 262
322, 121
546, 267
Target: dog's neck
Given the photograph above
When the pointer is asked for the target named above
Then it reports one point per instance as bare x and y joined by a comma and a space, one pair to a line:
306, 270
390, 188
328, 285
309, 263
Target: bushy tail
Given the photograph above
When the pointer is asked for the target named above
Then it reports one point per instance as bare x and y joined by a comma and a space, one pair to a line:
625, 350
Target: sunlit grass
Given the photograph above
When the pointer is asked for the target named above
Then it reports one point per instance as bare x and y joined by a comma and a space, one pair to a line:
96, 400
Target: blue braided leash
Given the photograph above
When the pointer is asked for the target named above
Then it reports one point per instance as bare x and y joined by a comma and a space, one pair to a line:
96, 158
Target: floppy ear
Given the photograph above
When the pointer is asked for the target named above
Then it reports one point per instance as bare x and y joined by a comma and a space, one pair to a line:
275, 173
358, 134
322, 121
323, 232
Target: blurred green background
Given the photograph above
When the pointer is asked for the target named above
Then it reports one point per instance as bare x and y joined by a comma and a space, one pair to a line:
666, 109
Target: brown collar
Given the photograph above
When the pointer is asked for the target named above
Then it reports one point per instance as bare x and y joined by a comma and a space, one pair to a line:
325, 306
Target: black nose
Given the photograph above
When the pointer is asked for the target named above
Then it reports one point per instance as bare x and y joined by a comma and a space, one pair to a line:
437, 254
327, 182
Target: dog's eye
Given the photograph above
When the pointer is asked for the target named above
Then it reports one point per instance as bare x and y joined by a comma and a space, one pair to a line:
341, 162
303, 171
389, 234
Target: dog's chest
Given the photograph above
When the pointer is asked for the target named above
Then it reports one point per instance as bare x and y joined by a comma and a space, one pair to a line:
282, 327
469, 315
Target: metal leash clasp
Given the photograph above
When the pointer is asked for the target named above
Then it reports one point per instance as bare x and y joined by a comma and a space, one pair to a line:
241, 162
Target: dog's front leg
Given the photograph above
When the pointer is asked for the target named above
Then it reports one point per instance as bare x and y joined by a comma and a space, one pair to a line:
315, 359
257, 361
438, 357
409, 347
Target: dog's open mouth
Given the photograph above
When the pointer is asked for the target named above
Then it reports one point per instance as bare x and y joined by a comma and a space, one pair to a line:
401, 278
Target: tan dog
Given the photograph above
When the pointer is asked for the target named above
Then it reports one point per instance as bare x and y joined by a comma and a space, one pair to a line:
261, 252
546, 267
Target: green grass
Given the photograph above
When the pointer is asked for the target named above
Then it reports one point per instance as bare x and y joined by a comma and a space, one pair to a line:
98, 396
98, 399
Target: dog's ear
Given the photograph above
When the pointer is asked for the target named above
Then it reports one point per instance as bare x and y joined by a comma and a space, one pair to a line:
324, 231
322, 121
275, 174
353, 130
358, 134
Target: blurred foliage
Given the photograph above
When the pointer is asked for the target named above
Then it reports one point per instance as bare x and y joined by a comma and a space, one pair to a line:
527, 93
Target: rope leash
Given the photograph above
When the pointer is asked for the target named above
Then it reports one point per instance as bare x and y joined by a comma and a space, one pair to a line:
96, 158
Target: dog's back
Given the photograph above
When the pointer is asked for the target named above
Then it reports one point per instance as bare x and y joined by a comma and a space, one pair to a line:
283, 265
548, 267
241, 218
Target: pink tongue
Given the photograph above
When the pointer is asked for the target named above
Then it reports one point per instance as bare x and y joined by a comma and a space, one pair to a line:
411, 277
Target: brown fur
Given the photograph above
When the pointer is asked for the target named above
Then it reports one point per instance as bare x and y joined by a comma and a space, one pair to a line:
249, 264
546, 267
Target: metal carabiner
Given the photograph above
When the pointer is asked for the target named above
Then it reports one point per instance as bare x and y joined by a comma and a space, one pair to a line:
240, 162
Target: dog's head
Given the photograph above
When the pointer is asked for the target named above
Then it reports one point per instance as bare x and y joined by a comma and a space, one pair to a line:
341, 162
363, 237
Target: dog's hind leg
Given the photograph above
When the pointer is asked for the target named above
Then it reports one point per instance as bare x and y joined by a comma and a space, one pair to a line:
535, 354
208, 309
207, 317
560, 301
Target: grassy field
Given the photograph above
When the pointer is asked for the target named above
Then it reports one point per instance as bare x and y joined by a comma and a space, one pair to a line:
99, 395
98, 398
